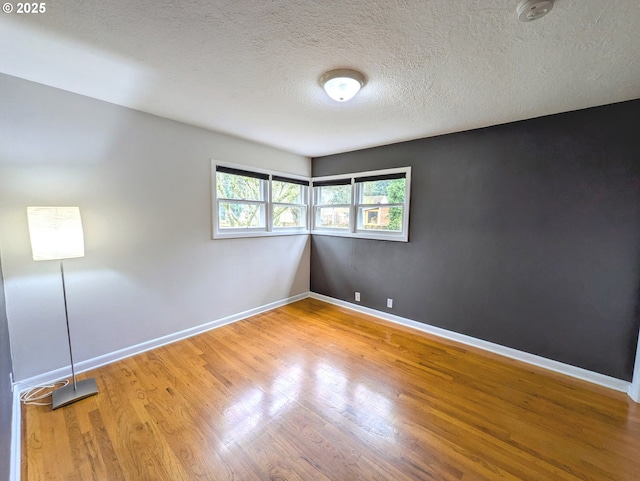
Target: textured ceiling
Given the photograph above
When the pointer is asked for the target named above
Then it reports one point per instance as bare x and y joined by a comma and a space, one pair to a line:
251, 67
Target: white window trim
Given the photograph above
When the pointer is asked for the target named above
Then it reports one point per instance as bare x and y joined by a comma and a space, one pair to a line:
268, 230
310, 228
339, 231
353, 230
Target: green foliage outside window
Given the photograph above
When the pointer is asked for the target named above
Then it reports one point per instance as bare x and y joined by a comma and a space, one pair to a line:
396, 194
391, 191
237, 187
335, 194
287, 215
247, 214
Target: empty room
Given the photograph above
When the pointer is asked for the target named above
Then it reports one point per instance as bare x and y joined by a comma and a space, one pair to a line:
305, 240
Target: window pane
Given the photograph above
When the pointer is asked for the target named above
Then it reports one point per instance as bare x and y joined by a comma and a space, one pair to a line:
229, 186
333, 217
235, 215
334, 194
289, 216
383, 192
287, 193
380, 218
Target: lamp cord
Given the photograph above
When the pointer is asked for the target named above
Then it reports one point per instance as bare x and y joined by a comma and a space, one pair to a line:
36, 395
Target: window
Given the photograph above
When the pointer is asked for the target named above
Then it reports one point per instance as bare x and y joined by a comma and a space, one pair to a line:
250, 203
380, 202
332, 204
289, 200
241, 197
373, 205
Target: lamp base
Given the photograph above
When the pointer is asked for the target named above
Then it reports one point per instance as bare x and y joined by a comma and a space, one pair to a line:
67, 394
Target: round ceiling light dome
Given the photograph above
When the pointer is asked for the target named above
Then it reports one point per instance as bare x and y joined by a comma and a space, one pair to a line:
342, 84
529, 10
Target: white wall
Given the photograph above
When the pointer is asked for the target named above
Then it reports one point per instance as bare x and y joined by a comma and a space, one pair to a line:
143, 187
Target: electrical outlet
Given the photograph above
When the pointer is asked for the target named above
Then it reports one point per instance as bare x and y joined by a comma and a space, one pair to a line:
390, 303
357, 296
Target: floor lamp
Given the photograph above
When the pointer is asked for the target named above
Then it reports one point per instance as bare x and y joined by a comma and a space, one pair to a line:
56, 234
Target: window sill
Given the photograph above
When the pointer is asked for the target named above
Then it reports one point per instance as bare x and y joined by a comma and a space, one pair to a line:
363, 235
247, 233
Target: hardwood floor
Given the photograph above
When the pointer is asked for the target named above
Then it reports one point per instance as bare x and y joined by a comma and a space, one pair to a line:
311, 391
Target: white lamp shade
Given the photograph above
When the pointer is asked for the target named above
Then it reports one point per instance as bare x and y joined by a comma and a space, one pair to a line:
56, 233
342, 89
342, 84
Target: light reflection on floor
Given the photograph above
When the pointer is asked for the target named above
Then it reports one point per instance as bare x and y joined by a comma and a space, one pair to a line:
243, 415
285, 390
353, 399
331, 385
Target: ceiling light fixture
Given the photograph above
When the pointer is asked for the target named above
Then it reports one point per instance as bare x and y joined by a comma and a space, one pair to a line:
342, 84
529, 10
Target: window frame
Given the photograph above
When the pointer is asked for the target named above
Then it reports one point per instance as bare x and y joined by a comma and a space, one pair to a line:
267, 177
310, 204
354, 230
304, 197
316, 206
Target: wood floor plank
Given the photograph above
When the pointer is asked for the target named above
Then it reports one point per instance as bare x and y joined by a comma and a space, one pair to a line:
310, 391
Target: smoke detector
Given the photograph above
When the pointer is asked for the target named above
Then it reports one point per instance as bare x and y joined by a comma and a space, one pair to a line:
529, 10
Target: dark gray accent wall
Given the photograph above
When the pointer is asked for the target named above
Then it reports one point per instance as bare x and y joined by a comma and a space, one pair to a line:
6, 396
524, 234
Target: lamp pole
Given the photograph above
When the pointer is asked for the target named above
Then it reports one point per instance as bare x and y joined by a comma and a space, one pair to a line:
66, 316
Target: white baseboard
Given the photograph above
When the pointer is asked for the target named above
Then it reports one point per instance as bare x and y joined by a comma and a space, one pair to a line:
634, 391
16, 439
556, 366
87, 365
